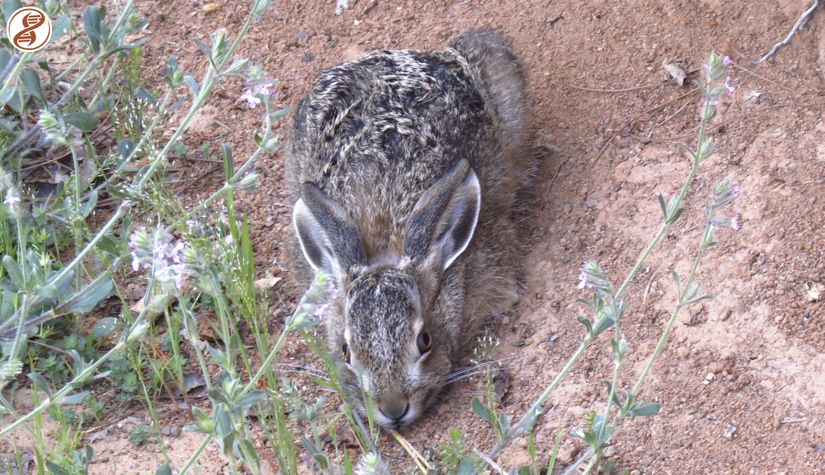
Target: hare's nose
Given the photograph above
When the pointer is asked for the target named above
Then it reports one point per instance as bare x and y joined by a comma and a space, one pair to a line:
395, 409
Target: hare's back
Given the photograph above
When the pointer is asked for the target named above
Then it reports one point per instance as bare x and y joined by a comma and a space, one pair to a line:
388, 125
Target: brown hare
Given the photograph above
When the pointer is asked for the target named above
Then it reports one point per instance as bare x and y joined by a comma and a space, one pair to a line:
407, 168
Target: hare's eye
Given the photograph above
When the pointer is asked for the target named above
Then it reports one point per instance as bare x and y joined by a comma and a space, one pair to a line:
424, 342
345, 352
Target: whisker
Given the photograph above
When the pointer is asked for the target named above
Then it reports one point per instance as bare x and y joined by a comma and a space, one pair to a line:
303, 369
474, 367
463, 377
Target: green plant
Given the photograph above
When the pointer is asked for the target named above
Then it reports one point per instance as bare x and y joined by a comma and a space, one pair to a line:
608, 304
111, 218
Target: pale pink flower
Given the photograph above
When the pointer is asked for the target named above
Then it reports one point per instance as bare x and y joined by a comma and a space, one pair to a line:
12, 200
729, 88
253, 95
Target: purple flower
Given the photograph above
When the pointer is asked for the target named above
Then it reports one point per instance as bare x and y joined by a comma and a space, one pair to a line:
12, 200
251, 101
727, 61
724, 192
253, 95
164, 259
729, 88
582, 279
725, 222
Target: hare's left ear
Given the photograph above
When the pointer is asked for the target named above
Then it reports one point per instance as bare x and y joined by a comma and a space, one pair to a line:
328, 237
444, 218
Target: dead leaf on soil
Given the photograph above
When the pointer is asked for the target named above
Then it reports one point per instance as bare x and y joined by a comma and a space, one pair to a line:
267, 282
340, 6
675, 71
156, 305
211, 7
192, 381
814, 293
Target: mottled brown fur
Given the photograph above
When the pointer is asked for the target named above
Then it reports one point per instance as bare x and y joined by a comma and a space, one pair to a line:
373, 136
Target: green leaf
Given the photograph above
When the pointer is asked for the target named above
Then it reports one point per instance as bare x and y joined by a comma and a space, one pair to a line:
193, 85
92, 19
228, 161
697, 300
687, 148
662, 204
89, 296
707, 148
483, 412
75, 399
588, 326
645, 410
12, 270
60, 27
9, 7
250, 456
677, 281
103, 327
551, 464
89, 205
314, 452
164, 470
82, 120
56, 469
109, 245
674, 216
7, 97
467, 466
531, 417
31, 83
40, 383
48, 292
503, 423
602, 324
691, 291
279, 113
252, 397
89, 455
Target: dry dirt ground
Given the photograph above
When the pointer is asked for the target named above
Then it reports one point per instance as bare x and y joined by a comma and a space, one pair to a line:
742, 383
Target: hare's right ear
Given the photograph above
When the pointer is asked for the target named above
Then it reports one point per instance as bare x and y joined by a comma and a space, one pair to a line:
444, 219
328, 237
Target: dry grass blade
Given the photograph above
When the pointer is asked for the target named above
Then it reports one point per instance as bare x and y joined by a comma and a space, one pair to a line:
420, 462
489, 462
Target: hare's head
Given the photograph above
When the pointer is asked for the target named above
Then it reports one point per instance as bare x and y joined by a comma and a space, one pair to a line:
395, 332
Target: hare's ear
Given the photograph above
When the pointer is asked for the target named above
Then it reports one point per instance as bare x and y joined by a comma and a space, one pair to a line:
328, 237
444, 218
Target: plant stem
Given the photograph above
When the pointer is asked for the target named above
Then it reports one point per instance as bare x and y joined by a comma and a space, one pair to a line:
195, 455
65, 390
669, 326
15, 72
520, 426
266, 363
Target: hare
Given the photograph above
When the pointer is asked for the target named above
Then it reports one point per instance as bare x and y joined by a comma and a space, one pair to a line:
406, 168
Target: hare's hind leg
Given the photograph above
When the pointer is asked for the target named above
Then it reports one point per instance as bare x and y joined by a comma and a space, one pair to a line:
501, 78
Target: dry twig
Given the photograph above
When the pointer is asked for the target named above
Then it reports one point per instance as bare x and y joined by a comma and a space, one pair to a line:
801, 21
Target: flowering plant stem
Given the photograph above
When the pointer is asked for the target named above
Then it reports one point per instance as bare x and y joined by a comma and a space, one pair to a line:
672, 210
79, 379
208, 82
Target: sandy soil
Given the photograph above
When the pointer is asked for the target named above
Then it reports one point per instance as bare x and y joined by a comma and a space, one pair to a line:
741, 384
